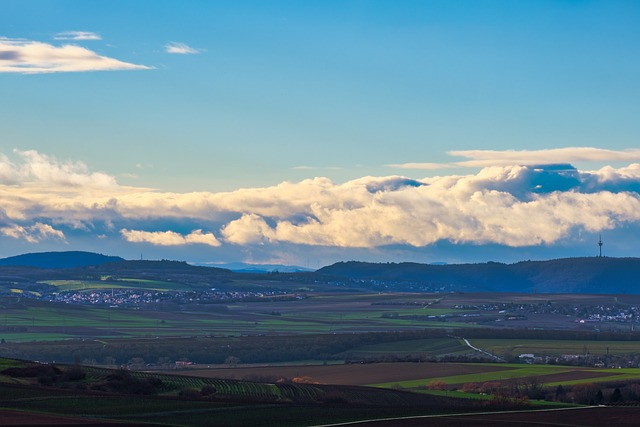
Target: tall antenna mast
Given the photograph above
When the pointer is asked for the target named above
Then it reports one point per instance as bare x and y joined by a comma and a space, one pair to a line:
600, 245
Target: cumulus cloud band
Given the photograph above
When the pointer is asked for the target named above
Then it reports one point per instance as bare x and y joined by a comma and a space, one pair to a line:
170, 238
515, 206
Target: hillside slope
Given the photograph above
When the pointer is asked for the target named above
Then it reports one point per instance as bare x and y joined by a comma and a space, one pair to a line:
570, 275
69, 259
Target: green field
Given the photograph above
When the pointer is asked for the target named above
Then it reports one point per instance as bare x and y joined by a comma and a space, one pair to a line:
548, 374
26, 319
121, 283
504, 347
437, 347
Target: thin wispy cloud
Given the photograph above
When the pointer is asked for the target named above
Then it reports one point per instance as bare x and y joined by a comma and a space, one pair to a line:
33, 57
487, 158
308, 168
181, 49
423, 166
484, 158
77, 35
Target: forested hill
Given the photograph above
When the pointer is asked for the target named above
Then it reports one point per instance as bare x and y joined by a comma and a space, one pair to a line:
570, 275
68, 259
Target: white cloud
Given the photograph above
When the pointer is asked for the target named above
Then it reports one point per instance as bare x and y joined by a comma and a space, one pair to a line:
487, 158
77, 35
36, 167
170, 238
32, 57
181, 49
424, 166
32, 234
484, 158
507, 205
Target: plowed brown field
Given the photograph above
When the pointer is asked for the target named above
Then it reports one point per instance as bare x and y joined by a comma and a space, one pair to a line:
354, 374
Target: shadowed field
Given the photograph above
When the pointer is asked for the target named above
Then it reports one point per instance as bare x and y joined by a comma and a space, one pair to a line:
585, 417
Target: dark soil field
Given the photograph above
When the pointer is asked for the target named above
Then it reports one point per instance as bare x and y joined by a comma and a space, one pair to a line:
19, 418
352, 374
585, 417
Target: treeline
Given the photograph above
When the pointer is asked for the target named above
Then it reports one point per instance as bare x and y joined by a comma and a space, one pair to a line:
209, 350
614, 393
551, 334
263, 349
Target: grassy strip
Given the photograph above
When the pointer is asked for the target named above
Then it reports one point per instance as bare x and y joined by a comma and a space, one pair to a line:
503, 347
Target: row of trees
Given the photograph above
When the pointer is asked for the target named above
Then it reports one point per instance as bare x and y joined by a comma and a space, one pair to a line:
522, 389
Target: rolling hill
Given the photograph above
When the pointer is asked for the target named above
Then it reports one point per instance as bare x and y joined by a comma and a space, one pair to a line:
68, 259
567, 275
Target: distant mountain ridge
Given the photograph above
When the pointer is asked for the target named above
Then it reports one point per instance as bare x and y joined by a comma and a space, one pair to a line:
241, 267
55, 260
566, 275
593, 275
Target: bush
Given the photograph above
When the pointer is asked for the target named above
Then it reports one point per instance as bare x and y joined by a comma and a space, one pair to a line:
122, 381
208, 390
32, 371
585, 393
436, 385
74, 373
189, 393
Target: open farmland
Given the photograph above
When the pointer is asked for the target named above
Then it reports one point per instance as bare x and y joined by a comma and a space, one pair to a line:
303, 313
348, 374
122, 283
85, 393
550, 375
418, 375
515, 347
29, 319
300, 313
440, 322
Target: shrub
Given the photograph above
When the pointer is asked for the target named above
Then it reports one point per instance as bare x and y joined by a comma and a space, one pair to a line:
74, 373
189, 393
208, 390
436, 385
585, 393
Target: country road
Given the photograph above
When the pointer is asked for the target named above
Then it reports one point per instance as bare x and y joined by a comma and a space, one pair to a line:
493, 356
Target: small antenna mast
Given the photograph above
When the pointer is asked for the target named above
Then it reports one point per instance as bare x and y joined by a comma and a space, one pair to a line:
600, 246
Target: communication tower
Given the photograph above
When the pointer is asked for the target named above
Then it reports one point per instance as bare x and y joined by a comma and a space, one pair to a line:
600, 246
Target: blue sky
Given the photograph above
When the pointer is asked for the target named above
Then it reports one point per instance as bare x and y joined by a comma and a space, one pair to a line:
307, 132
